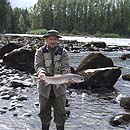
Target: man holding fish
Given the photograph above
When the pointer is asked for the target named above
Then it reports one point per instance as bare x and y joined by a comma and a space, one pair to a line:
53, 70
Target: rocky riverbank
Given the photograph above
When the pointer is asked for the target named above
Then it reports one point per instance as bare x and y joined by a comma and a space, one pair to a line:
19, 97
19, 52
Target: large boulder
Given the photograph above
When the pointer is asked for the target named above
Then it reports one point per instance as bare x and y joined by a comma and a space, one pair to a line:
21, 59
94, 61
125, 102
99, 44
126, 77
99, 78
8, 48
120, 119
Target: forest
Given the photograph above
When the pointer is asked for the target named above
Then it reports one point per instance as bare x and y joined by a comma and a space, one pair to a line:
68, 16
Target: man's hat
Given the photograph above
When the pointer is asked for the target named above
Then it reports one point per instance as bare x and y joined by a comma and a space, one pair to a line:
52, 33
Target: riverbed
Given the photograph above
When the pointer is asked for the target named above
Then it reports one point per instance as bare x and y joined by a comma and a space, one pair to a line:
89, 111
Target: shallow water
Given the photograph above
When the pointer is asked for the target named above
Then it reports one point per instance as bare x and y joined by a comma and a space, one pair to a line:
89, 111
108, 41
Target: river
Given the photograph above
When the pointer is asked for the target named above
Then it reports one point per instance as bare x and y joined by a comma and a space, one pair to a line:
89, 111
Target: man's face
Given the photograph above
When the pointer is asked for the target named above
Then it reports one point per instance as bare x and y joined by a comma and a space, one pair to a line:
52, 41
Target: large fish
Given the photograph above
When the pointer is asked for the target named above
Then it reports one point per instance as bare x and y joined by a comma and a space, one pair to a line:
62, 79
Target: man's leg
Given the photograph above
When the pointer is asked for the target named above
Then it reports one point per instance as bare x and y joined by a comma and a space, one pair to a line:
45, 112
59, 111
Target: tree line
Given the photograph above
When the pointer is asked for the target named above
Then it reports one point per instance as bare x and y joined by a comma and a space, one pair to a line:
88, 16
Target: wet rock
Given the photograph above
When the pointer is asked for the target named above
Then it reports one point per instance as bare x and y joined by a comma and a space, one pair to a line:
67, 103
120, 119
19, 105
5, 108
98, 44
21, 59
27, 114
119, 97
22, 97
126, 77
5, 97
37, 104
67, 113
12, 108
20, 83
14, 98
12, 93
15, 114
125, 102
125, 56
94, 61
2, 111
99, 78
8, 48
12, 104
3, 93
4, 89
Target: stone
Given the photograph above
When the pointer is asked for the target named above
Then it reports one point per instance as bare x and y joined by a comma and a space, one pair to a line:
125, 102
99, 78
8, 48
5, 108
3, 93
11, 108
15, 114
12, 104
125, 56
20, 83
98, 44
21, 59
4, 89
22, 97
5, 97
27, 114
67, 103
37, 104
126, 77
120, 119
19, 105
2, 111
67, 113
94, 61
14, 98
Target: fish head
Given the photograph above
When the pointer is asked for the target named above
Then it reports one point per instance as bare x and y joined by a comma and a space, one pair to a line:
78, 79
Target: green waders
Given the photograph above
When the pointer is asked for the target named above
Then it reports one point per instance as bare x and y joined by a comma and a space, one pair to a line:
58, 103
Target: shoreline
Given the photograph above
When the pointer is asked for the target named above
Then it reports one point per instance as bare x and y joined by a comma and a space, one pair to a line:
85, 39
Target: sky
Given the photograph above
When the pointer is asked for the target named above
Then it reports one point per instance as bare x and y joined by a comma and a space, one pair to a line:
22, 3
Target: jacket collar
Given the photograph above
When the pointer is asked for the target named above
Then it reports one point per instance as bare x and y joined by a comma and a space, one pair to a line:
58, 50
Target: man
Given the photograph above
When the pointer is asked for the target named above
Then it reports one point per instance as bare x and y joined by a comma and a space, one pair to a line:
49, 60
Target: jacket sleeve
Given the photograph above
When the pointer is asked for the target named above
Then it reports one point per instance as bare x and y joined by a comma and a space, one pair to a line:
65, 62
39, 65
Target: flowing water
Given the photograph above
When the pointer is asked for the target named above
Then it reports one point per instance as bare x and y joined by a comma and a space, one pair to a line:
89, 111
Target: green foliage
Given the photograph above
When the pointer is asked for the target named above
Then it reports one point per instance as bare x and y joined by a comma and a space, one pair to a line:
98, 34
75, 32
37, 31
21, 24
77, 17
112, 35
4, 6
